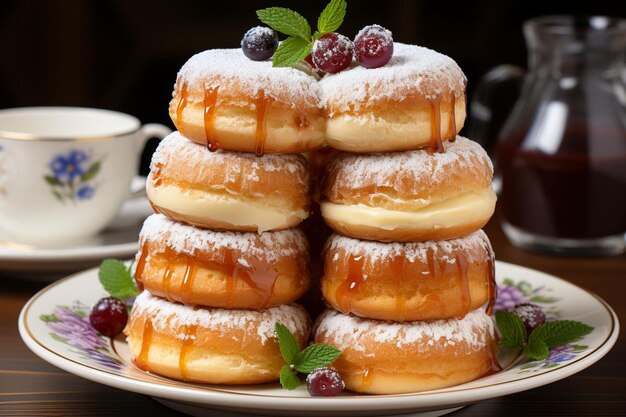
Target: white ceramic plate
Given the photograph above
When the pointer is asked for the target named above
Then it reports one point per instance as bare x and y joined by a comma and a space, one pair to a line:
119, 240
53, 325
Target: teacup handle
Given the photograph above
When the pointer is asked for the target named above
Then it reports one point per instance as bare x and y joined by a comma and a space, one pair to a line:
480, 124
149, 131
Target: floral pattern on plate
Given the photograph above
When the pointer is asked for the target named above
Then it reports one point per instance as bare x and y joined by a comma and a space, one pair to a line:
70, 326
72, 176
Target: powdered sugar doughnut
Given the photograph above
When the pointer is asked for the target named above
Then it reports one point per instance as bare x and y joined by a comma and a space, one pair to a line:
222, 269
408, 281
417, 99
225, 100
228, 190
392, 358
215, 346
410, 196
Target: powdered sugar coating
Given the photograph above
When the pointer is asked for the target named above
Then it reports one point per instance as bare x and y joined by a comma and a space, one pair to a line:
231, 71
350, 332
475, 247
187, 240
413, 70
416, 171
176, 146
167, 316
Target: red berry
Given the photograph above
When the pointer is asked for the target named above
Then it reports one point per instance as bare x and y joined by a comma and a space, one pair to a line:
324, 382
259, 43
109, 316
332, 53
373, 46
531, 314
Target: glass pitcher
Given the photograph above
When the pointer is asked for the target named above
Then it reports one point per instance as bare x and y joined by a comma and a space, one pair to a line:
561, 155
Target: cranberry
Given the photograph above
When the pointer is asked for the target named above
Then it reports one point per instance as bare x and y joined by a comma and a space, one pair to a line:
259, 43
531, 314
324, 382
373, 46
109, 316
332, 53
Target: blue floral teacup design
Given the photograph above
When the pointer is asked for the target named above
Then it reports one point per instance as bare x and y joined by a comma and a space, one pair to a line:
73, 176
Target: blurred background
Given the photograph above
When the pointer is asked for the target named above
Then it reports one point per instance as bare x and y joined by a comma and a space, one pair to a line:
124, 55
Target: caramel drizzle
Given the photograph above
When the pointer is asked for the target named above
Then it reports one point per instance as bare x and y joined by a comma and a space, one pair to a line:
190, 337
210, 100
146, 341
493, 288
261, 123
141, 266
434, 269
260, 276
182, 103
435, 126
350, 286
452, 126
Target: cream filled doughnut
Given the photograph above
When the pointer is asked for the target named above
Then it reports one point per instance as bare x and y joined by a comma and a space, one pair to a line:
224, 100
228, 190
222, 269
392, 358
410, 196
215, 346
408, 281
417, 99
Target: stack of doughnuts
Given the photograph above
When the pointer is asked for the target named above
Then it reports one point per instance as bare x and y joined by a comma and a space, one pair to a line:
408, 272
221, 262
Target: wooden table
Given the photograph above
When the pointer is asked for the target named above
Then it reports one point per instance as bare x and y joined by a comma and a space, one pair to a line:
31, 387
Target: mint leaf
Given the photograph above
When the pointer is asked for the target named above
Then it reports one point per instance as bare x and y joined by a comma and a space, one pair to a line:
287, 343
560, 332
288, 378
286, 21
332, 16
315, 356
117, 280
290, 52
512, 330
537, 350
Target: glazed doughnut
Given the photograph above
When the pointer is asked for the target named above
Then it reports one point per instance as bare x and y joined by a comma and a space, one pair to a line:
392, 358
408, 281
410, 196
225, 100
213, 346
228, 190
222, 269
416, 100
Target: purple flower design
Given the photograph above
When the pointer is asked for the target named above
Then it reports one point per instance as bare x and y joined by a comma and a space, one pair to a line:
71, 326
76, 329
85, 192
508, 297
560, 354
67, 168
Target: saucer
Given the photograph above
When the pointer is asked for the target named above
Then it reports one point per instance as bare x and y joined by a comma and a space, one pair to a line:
119, 240
53, 324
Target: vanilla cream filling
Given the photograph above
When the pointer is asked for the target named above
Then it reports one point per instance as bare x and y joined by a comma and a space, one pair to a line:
207, 205
456, 211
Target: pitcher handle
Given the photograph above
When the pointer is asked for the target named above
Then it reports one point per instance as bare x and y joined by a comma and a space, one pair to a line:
482, 103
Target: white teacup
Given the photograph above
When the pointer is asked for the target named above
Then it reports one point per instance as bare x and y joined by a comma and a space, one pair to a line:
65, 171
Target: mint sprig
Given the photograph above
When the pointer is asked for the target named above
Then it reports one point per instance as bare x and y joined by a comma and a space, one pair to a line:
300, 42
117, 279
544, 337
304, 361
